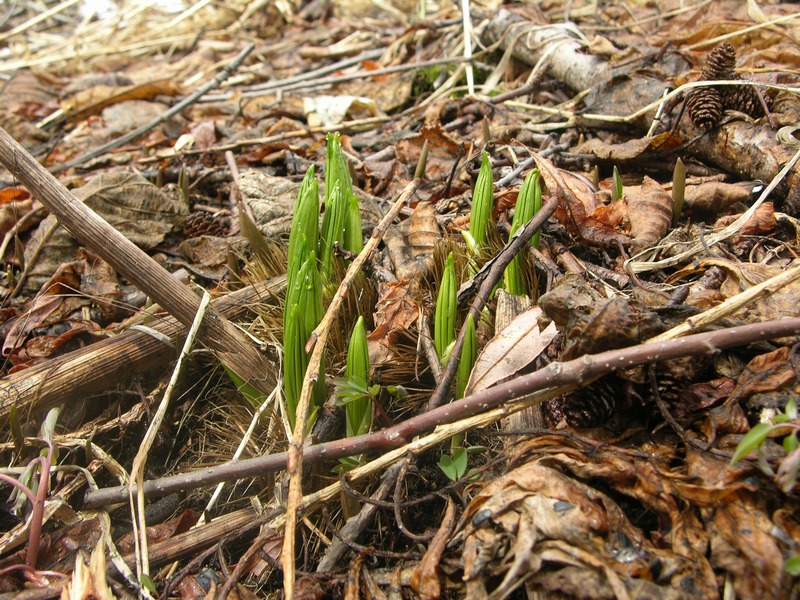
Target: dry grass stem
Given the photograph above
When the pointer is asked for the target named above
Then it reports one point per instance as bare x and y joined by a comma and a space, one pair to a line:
137, 469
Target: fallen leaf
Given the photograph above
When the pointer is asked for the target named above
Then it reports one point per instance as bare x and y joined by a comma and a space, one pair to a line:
511, 350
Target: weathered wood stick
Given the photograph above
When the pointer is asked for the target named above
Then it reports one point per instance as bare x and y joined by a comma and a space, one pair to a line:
229, 345
101, 366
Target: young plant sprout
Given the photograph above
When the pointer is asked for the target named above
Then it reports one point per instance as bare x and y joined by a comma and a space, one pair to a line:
678, 191
444, 323
303, 312
529, 202
482, 205
358, 406
616, 185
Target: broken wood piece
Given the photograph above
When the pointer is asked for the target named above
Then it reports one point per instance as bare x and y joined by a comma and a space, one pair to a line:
559, 45
101, 366
230, 346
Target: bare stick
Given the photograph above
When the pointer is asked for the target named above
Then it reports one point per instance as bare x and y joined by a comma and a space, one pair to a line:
190, 99
230, 346
137, 469
89, 370
558, 375
319, 337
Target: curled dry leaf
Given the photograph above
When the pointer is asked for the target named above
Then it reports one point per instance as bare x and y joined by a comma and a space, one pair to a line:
735, 277
410, 245
649, 213
715, 197
511, 350
395, 311
577, 205
761, 222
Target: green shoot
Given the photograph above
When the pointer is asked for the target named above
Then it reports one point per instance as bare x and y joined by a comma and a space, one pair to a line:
444, 324
678, 191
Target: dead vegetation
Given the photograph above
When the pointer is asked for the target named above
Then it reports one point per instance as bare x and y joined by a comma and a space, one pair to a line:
629, 428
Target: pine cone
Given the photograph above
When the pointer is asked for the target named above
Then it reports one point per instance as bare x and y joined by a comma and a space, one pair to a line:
705, 107
720, 63
203, 223
589, 406
744, 98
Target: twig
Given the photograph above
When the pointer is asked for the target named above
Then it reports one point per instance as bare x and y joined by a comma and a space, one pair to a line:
731, 305
305, 82
190, 99
38, 19
259, 89
507, 396
355, 525
137, 469
730, 230
319, 337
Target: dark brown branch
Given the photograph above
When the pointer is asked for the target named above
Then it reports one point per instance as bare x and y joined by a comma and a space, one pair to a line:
555, 374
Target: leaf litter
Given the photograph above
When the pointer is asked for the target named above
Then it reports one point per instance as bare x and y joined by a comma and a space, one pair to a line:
624, 488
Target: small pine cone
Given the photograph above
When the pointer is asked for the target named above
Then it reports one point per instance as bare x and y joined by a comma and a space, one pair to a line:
705, 107
720, 63
593, 405
203, 223
745, 99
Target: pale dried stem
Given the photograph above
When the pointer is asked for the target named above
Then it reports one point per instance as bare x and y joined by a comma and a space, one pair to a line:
729, 231
137, 469
731, 305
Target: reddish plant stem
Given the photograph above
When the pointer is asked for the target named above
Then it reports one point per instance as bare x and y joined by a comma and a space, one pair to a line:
573, 372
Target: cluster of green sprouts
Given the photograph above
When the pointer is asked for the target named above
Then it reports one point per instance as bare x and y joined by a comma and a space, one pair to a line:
311, 266
529, 202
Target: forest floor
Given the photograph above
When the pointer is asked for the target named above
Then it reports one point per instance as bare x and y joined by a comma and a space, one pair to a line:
603, 405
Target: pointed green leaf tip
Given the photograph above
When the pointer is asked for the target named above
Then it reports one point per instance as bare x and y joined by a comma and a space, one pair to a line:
444, 324
752, 440
529, 202
468, 355
342, 219
305, 222
482, 203
359, 412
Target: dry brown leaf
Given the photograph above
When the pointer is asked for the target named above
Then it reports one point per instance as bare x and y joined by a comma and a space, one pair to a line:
515, 347
137, 208
410, 245
649, 212
763, 221
425, 578
87, 102
396, 311
715, 197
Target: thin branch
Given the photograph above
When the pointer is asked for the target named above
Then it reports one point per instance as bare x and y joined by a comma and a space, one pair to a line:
488, 278
136, 497
508, 396
162, 118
